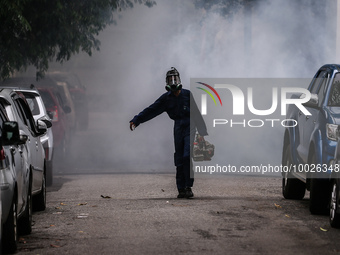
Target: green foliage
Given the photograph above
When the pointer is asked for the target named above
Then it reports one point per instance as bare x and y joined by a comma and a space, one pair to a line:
34, 32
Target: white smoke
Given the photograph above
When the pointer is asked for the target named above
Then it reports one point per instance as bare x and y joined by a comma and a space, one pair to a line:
128, 74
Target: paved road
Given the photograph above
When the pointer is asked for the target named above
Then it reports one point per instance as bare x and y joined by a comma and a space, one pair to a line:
139, 214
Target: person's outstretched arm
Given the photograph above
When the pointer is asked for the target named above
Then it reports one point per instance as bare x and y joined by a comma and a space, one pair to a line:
149, 113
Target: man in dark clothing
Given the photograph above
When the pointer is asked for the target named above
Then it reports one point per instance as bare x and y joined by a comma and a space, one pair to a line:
178, 103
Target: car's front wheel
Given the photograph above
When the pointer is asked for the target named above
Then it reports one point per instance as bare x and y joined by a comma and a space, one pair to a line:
334, 216
292, 188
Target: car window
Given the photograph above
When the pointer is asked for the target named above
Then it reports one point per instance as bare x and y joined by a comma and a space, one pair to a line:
61, 90
322, 88
334, 97
317, 82
20, 112
3, 113
26, 113
3, 117
47, 99
60, 99
32, 103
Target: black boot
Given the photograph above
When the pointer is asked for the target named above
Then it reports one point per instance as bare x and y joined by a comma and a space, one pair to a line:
188, 193
181, 193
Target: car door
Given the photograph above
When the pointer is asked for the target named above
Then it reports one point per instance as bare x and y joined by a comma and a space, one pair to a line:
35, 146
306, 123
18, 158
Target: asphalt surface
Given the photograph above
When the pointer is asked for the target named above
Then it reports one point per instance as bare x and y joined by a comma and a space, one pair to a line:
115, 197
139, 214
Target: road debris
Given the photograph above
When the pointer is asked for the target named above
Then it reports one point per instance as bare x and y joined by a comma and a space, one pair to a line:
277, 206
82, 216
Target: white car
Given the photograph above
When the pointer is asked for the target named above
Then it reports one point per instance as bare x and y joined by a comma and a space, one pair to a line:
39, 112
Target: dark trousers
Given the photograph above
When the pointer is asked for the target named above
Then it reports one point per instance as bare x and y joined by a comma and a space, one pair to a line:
183, 161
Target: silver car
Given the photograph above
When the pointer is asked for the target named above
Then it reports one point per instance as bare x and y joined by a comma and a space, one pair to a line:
39, 112
18, 110
15, 184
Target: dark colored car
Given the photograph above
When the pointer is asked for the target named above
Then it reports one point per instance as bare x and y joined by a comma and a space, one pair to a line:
309, 146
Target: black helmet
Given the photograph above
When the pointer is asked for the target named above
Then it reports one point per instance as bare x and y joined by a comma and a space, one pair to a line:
173, 81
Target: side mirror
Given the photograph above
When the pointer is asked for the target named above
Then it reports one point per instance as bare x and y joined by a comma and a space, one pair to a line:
313, 101
10, 133
46, 121
42, 127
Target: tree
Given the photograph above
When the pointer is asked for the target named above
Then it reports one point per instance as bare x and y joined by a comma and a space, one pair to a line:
34, 32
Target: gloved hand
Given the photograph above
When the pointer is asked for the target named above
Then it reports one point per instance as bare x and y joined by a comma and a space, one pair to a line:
132, 126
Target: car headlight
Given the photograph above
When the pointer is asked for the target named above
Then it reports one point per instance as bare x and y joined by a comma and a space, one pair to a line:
331, 131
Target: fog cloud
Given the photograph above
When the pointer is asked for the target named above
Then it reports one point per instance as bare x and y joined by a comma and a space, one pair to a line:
287, 39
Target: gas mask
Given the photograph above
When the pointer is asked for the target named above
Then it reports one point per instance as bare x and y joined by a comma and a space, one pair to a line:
173, 81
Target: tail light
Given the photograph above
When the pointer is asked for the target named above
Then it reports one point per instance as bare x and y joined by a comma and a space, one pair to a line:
54, 114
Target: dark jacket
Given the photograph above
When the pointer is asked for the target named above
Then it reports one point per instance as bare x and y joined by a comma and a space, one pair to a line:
178, 108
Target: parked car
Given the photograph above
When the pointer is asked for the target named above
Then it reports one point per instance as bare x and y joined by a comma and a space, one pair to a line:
58, 114
39, 112
17, 110
310, 145
15, 184
79, 96
67, 100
